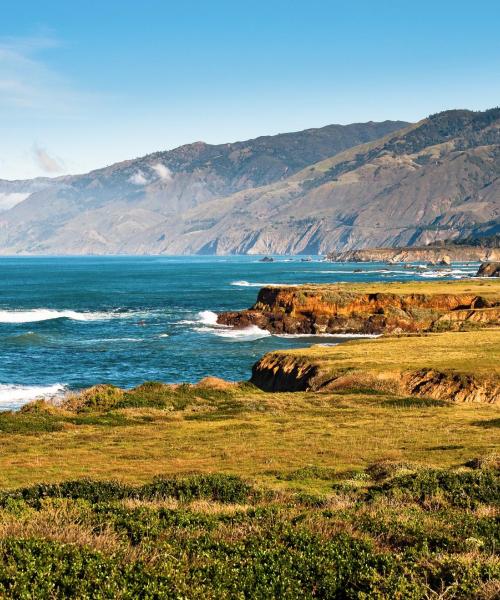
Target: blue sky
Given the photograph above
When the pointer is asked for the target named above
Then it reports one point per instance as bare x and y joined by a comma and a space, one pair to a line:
86, 84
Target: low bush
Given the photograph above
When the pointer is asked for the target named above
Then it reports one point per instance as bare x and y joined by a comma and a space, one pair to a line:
465, 489
216, 487
272, 545
97, 398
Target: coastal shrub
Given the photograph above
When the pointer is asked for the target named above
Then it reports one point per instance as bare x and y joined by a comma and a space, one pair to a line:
383, 469
97, 398
275, 545
144, 523
414, 402
29, 423
85, 489
465, 489
58, 571
292, 564
218, 487
445, 530
159, 395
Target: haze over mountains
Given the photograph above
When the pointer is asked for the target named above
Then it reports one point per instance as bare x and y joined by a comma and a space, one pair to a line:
315, 191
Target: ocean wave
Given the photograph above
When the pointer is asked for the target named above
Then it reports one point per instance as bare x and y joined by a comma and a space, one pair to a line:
28, 338
243, 283
46, 314
248, 334
328, 335
207, 317
14, 396
363, 271
204, 317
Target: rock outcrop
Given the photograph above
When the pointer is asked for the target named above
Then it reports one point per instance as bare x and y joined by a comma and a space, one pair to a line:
425, 254
279, 372
338, 309
456, 367
489, 269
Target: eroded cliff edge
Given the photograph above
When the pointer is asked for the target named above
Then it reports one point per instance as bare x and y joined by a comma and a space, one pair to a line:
371, 309
452, 366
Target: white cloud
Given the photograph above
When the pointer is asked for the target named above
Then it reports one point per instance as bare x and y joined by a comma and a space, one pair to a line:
46, 162
138, 178
162, 171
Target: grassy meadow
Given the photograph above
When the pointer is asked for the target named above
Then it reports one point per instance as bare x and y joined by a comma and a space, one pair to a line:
222, 491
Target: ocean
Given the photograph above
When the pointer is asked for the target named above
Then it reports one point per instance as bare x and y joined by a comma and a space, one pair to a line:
72, 322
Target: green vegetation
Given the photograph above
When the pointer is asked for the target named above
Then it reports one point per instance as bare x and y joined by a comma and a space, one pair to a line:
413, 536
222, 491
474, 352
238, 429
489, 289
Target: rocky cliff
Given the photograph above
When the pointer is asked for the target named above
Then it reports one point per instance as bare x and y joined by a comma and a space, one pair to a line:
457, 367
348, 309
425, 254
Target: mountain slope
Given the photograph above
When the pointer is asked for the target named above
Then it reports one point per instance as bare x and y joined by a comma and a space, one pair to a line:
438, 179
102, 211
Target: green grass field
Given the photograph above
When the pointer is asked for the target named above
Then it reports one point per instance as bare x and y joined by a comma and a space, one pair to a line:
474, 352
221, 490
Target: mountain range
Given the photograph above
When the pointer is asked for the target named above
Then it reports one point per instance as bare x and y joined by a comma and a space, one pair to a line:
315, 191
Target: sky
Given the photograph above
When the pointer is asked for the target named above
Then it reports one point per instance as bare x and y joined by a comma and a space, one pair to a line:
87, 84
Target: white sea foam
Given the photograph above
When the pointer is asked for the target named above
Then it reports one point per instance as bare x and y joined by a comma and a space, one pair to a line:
207, 317
14, 396
47, 314
163, 335
243, 283
363, 271
248, 334
327, 335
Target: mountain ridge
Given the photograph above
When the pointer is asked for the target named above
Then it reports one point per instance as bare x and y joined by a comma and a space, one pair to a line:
397, 184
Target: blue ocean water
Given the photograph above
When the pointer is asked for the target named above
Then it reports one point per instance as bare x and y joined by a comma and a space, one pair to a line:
73, 322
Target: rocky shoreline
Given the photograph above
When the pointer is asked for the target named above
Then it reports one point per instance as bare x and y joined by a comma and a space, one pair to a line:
341, 309
427, 254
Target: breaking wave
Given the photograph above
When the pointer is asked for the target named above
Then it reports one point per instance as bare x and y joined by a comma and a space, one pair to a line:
46, 314
243, 283
248, 334
14, 396
207, 317
328, 335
